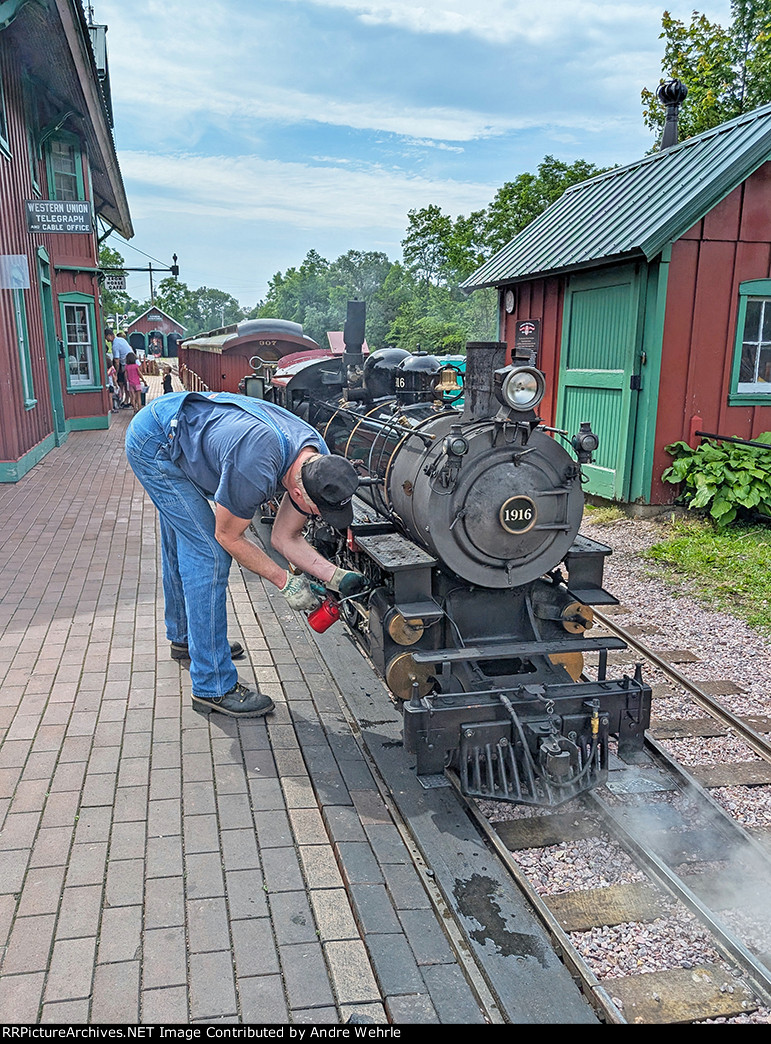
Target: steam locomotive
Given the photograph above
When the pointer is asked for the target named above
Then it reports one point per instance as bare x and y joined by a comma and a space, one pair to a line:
466, 526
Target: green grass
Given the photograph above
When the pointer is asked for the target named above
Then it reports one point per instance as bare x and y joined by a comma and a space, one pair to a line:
603, 514
730, 570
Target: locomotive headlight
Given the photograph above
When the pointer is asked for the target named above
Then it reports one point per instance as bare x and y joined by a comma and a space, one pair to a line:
523, 388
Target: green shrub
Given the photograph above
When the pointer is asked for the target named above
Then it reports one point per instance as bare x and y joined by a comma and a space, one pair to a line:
727, 480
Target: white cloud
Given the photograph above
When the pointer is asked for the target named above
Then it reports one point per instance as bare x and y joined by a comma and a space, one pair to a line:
504, 22
249, 189
225, 68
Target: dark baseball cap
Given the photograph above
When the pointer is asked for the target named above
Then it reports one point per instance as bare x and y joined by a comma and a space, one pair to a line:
330, 482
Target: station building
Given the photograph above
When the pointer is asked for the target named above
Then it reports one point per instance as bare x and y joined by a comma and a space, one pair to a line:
61, 190
646, 293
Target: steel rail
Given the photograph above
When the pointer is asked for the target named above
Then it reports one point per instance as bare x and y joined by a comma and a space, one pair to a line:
757, 972
596, 994
754, 739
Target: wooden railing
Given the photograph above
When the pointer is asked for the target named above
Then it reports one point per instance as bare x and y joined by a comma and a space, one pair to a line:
191, 381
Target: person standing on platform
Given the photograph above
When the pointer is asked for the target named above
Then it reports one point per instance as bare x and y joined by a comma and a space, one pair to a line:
120, 349
189, 448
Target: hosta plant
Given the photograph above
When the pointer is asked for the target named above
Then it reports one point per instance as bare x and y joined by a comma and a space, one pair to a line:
726, 480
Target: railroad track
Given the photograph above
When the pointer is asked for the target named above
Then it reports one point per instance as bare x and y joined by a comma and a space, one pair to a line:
656, 876
671, 869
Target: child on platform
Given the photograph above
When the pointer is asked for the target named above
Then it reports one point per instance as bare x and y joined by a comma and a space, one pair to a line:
134, 381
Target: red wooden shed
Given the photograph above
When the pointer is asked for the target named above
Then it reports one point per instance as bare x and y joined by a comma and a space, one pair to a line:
647, 290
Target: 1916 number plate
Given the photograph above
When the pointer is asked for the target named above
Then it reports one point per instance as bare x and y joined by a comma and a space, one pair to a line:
518, 514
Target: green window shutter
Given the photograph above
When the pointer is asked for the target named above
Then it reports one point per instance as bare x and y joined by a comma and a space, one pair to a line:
22, 342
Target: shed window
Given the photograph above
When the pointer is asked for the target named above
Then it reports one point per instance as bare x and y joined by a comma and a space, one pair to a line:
755, 363
751, 378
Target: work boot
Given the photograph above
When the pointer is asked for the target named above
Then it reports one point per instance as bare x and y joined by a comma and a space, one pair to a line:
239, 702
181, 651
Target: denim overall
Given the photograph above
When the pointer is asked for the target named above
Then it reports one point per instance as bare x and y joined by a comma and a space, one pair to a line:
195, 565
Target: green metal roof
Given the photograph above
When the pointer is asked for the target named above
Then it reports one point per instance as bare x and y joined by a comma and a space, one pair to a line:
634, 210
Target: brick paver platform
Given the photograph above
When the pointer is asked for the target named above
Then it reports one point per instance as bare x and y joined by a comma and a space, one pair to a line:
159, 866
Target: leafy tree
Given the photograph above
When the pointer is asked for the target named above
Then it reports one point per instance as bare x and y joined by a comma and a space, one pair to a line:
467, 246
360, 276
520, 201
115, 302
215, 308
727, 71
302, 296
177, 300
426, 243
197, 310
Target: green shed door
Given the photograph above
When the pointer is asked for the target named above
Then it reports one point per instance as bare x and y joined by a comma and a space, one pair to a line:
597, 363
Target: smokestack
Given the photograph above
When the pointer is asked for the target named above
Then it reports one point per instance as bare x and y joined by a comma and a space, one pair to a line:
353, 359
672, 94
482, 359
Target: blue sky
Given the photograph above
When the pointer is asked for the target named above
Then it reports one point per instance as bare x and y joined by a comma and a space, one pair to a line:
252, 131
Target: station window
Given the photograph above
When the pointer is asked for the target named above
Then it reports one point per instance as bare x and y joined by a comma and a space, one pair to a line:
65, 170
751, 376
77, 312
22, 341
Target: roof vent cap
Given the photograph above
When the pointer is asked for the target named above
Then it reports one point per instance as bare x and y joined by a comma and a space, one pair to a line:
672, 94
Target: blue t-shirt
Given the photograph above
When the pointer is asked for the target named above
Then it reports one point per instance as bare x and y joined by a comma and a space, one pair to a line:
237, 459
120, 349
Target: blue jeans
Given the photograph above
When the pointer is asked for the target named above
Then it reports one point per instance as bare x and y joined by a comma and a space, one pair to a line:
195, 565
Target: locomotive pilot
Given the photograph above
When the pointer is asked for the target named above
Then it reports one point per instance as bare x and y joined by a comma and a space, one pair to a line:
187, 449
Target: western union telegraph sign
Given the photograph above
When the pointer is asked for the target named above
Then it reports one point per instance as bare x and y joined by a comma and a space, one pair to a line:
51, 215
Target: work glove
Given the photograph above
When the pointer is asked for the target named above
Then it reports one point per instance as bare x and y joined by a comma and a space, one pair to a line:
300, 593
347, 582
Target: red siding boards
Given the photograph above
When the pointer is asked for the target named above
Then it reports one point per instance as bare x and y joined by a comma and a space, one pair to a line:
541, 299
24, 429
21, 428
672, 418
707, 384
722, 222
756, 211
700, 324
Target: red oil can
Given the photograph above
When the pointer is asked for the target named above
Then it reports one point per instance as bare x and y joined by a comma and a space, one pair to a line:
323, 617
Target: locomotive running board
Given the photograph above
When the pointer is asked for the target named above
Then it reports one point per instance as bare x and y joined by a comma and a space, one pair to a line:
504, 650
